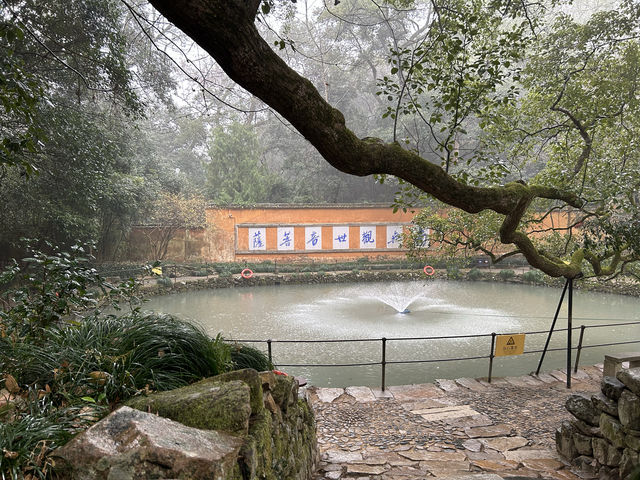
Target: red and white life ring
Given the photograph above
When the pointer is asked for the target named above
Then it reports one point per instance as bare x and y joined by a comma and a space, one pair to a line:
429, 270
246, 273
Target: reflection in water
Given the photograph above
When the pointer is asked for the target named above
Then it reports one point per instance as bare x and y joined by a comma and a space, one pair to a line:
358, 311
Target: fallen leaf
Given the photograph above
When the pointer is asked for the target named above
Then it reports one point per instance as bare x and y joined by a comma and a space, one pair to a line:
11, 384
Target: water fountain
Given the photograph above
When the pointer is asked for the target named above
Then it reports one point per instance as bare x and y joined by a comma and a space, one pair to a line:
398, 295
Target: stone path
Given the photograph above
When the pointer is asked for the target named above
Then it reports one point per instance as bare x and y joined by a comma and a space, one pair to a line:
456, 429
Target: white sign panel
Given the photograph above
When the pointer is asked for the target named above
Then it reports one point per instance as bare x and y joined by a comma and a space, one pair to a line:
394, 236
285, 238
313, 238
257, 238
340, 238
368, 237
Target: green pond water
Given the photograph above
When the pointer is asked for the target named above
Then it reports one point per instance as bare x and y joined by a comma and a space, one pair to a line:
369, 311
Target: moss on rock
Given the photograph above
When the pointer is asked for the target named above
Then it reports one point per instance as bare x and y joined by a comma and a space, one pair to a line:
252, 379
208, 404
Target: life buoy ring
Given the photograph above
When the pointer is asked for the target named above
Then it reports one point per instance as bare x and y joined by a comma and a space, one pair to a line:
429, 270
246, 273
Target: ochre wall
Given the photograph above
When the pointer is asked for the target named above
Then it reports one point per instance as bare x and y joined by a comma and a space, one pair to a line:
226, 236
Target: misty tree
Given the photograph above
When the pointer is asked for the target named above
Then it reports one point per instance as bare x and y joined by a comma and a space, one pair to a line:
171, 213
227, 30
236, 173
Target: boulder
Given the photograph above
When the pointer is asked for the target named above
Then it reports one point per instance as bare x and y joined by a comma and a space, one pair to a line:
285, 391
605, 404
581, 407
207, 404
630, 461
612, 430
631, 378
612, 387
582, 444
251, 378
130, 444
268, 379
605, 453
587, 430
564, 441
633, 442
629, 410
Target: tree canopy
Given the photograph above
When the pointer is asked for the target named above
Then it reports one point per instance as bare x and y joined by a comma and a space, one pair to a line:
579, 87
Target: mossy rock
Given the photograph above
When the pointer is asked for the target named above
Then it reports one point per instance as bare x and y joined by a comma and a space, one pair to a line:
285, 391
251, 378
208, 404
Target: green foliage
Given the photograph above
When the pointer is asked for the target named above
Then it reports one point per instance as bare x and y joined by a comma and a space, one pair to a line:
236, 174
50, 287
474, 274
533, 276
165, 282
453, 272
461, 72
506, 274
28, 438
20, 92
244, 356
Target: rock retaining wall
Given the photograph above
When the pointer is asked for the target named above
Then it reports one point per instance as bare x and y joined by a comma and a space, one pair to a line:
603, 439
242, 425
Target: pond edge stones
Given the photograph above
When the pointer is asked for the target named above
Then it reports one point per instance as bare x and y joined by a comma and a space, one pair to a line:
603, 439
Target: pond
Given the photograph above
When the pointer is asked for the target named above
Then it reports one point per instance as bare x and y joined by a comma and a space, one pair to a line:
437, 308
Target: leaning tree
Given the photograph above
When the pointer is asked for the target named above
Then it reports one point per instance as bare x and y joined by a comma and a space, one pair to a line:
550, 105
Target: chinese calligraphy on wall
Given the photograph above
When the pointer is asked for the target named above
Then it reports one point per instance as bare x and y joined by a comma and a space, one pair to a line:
338, 237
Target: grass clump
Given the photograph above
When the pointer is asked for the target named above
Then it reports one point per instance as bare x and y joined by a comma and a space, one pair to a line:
244, 356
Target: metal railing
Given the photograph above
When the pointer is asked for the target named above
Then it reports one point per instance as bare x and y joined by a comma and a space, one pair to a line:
384, 361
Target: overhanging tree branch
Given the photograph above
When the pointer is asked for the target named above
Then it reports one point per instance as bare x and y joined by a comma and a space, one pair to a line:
225, 29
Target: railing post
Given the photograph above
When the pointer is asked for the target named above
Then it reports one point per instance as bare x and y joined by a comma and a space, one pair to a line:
383, 364
575, 367
569, 328
553, 324
269, 350
491, 355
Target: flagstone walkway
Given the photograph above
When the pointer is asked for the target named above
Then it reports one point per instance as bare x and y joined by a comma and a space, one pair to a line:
463, 429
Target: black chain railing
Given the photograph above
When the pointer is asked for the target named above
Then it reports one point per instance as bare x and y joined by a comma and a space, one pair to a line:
384, 360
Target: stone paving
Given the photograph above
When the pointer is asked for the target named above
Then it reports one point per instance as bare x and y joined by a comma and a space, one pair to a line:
463, 429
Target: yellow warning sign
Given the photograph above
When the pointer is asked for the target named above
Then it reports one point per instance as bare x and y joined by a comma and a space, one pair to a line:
509, 345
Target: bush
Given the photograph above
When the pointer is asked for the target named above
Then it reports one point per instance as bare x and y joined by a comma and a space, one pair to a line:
165, 282
453, 272
506, 274
474, 274
533, 276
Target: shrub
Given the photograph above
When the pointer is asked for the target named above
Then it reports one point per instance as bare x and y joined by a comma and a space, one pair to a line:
474, 274
506, 274
453, 272
533, 276
165, 282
